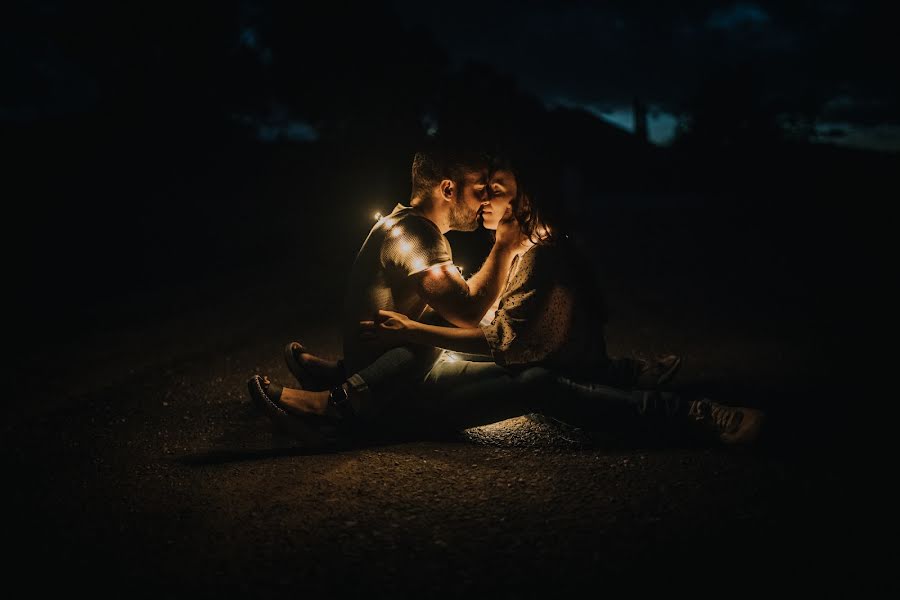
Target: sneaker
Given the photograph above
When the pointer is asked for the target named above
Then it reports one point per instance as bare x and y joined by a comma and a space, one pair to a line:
653, 375
728, 424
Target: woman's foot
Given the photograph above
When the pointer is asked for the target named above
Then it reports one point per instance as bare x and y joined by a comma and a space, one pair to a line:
727, 424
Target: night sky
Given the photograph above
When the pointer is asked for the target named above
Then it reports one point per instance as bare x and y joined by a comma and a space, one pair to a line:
830, 61
824, 69
149, 137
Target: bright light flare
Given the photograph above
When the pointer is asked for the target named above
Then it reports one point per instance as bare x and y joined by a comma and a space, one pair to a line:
377, 216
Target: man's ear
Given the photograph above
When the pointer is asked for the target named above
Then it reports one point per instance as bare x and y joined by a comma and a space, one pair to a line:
447, 188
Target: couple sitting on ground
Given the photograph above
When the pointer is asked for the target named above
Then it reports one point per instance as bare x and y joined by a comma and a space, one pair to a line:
524, 334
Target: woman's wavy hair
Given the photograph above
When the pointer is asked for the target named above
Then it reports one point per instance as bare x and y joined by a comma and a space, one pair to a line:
536, 207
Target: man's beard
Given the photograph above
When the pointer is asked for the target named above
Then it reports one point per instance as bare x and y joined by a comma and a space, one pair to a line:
461, 218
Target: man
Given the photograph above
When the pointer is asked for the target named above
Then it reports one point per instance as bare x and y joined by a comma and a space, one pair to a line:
404, 265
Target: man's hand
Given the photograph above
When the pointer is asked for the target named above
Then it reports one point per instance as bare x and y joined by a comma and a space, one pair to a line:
388, 326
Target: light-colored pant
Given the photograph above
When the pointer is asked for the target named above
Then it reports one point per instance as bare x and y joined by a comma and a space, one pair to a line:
463, 393
459, 394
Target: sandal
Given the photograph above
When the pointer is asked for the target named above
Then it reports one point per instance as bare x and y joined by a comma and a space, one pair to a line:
307, 380
267, 396
292, 354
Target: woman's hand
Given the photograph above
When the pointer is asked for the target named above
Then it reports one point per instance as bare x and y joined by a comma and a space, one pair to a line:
388, 326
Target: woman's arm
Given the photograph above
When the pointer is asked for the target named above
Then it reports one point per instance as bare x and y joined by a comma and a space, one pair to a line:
394, 327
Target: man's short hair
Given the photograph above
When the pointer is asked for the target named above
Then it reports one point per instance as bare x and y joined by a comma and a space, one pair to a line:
433, 165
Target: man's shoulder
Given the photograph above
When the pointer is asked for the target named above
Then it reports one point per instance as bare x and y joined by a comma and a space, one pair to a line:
412, 241
412, 223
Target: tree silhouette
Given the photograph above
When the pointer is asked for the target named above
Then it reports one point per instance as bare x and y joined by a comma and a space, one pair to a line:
729, 111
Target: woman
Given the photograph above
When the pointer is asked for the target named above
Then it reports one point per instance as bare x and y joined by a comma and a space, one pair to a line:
546, 338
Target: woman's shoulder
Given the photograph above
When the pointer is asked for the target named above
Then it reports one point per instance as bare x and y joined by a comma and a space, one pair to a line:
541, 266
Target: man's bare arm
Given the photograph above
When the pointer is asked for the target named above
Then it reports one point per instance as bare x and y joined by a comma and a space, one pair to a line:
464, 303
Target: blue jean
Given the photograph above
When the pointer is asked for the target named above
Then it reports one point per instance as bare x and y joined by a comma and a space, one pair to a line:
392, 367
396, 373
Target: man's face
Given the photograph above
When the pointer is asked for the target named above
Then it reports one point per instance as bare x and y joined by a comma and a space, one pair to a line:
469, 199
502, 189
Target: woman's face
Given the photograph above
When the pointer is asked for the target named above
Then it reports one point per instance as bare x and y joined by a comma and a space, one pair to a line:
501, 191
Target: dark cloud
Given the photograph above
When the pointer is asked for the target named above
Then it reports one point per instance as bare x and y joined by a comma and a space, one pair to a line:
830, 61
824, 57
39, 77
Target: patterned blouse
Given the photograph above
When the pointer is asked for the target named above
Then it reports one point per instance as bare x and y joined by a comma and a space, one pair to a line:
546, 316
